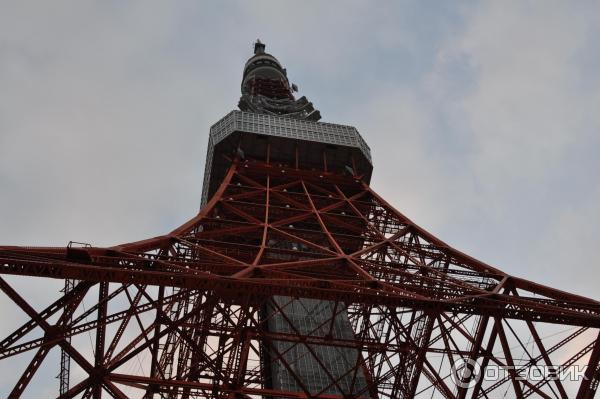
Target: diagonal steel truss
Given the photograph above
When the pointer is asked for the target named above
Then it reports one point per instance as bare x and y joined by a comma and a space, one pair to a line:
186, 314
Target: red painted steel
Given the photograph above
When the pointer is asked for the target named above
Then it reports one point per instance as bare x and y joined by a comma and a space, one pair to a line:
184, 314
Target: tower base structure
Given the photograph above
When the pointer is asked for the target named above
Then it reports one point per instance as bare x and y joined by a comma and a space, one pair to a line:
197, 307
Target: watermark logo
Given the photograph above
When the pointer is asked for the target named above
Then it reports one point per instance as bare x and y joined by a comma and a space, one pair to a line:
466, 373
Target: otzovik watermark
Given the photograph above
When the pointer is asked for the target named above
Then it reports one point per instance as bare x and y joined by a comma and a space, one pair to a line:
466, 373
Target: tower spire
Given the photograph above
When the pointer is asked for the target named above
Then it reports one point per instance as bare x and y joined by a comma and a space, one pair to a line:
266, 89
259, 47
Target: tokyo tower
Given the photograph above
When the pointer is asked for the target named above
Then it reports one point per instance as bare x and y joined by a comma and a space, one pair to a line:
294, 280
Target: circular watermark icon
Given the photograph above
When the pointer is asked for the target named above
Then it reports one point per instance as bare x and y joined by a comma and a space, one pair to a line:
465, 373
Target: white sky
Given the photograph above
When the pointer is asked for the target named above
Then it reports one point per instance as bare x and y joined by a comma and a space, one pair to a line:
483, 119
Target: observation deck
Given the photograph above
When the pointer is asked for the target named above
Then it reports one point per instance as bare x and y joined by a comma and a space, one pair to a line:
298, 143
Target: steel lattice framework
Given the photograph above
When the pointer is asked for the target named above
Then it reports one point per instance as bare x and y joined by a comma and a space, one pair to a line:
284, 263
415, 304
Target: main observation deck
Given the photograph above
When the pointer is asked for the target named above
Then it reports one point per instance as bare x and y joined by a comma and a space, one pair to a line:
304, 144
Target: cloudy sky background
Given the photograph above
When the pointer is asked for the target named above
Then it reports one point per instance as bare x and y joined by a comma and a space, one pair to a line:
483, 118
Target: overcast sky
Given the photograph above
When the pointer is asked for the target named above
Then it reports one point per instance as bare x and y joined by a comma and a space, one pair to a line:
483, 118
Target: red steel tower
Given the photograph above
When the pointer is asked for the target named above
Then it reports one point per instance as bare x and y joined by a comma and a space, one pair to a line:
295, 280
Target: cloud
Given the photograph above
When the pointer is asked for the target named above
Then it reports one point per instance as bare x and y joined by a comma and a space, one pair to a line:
492, 147
526, 115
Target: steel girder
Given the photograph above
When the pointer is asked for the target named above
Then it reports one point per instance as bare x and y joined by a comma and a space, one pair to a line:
186, 314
